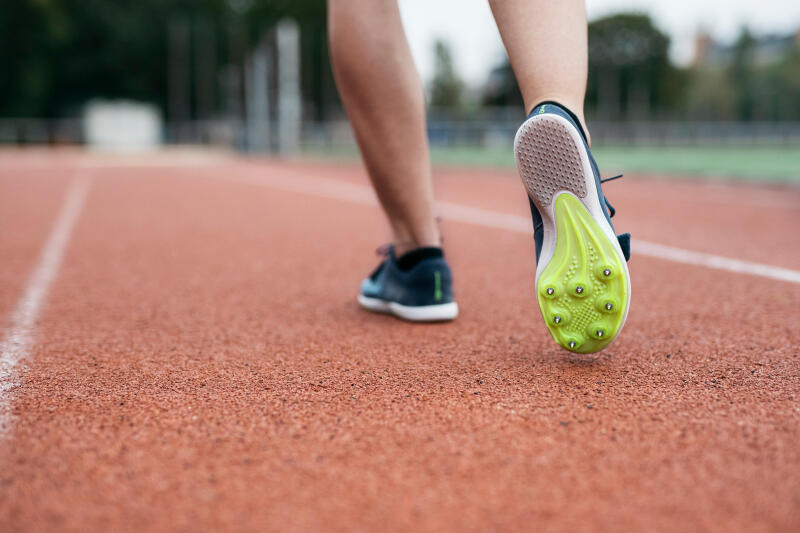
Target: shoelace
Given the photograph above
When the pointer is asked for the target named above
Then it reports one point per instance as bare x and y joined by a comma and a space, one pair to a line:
383, 250
603, 180
611, 210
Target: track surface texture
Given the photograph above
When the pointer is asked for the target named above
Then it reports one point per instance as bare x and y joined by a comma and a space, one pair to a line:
200, 362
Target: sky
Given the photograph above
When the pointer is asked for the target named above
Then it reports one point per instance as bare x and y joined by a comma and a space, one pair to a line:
477, 47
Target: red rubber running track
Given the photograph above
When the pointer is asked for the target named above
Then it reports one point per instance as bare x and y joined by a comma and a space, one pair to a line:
196, 361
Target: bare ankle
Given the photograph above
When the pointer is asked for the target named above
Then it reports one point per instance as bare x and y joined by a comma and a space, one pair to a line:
404, 246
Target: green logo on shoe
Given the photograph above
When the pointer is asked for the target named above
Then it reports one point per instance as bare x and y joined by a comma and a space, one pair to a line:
437, 291
541, 109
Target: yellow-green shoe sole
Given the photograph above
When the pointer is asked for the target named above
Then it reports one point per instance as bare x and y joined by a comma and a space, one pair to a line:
583, 291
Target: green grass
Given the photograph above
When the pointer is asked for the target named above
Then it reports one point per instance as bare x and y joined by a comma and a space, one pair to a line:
748, 162
775, 164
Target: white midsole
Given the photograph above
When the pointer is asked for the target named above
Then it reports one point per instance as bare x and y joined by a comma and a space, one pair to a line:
421, 313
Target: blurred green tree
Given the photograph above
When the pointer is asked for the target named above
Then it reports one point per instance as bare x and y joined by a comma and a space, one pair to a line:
57, 54
787, 99
742, 75
630, 73
501, 89
446, 87
710, 94
739, 83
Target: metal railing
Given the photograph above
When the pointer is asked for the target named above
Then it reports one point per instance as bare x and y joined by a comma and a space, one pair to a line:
442, 133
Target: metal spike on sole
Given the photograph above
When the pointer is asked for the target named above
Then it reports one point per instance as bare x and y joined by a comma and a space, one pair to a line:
581, 248
582, 258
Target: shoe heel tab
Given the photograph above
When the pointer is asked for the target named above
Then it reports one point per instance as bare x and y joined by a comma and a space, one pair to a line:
555, 108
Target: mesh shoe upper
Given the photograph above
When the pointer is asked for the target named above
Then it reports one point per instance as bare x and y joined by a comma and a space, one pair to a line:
429, 282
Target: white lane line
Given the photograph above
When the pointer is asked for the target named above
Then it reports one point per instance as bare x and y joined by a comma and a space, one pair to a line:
18, 338
322, 187
679, 255
359, 194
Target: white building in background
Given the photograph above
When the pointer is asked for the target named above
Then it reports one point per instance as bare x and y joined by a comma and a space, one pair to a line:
122, 126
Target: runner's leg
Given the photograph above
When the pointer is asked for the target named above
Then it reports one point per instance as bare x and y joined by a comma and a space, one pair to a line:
546, 42
382, 93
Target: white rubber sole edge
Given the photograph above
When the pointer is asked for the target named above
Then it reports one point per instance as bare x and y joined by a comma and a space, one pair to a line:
422, 313
590, 201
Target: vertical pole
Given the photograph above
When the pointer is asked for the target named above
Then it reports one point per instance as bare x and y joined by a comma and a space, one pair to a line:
234, 83
289, 97
206, 68
178, 76
257, 98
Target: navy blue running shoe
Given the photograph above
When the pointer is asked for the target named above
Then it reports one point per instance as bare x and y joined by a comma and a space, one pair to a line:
422, 292
582, 280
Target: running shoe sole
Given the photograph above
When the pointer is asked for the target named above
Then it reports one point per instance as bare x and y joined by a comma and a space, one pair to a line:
582, 280
420, 313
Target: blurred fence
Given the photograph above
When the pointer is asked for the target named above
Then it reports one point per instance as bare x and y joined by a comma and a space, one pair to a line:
648, 133
443, 133
41, 131
493, 133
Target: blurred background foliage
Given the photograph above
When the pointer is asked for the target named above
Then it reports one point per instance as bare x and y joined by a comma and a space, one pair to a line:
631, 76
57, 54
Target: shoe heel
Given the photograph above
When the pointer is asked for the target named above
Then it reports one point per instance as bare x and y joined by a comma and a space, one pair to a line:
549, 160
